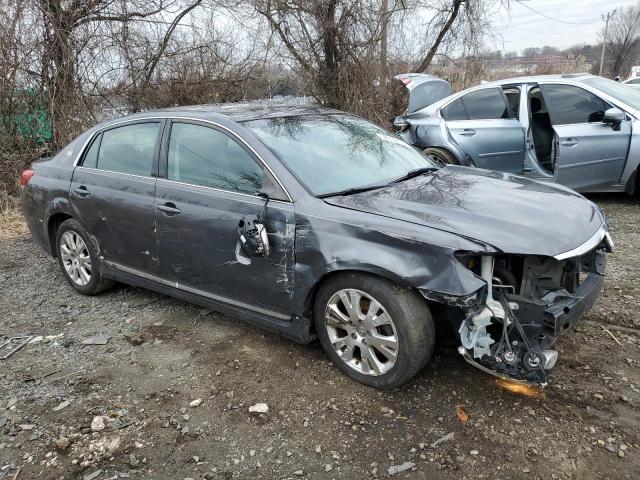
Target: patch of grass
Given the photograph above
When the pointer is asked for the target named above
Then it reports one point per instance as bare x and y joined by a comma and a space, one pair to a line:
11, 221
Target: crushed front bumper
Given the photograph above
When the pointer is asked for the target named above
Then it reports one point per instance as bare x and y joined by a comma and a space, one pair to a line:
563, 315
513, 335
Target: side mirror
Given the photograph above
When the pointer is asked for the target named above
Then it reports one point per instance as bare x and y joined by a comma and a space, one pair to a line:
614, 117
252, 236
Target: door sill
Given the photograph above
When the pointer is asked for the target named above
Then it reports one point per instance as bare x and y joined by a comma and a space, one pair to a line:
201, 293
293, 327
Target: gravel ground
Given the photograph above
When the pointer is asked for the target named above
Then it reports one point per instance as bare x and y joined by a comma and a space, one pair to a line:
168, 395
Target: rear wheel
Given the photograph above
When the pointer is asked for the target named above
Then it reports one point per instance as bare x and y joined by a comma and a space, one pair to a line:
441, 156
78, 258
378, 333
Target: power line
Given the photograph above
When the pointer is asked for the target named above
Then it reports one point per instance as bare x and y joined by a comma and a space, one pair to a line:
552, 18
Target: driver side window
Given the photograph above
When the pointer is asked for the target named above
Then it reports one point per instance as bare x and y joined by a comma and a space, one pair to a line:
204, 156
568, 105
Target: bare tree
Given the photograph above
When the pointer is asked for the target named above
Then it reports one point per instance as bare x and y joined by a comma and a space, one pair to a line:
68, 26
623, 39
463, 23
323, 37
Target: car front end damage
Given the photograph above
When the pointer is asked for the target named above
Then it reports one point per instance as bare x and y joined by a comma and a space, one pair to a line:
511, 324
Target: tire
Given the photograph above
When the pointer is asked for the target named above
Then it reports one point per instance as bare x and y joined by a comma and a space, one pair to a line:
411, 326
80, 265
441, 156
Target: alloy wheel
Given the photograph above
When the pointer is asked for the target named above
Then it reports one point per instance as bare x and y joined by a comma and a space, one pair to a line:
361, 332
75, 257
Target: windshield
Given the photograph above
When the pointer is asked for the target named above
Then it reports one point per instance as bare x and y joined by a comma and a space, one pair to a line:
617, 90
333, 153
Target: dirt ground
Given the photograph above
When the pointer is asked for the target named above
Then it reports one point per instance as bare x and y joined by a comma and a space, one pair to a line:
124, 410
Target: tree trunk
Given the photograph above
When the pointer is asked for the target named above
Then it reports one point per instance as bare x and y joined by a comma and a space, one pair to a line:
330, 66
60, 80
453, 14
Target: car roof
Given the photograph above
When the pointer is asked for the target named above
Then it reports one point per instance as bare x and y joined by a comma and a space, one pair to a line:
539, 78
242, 112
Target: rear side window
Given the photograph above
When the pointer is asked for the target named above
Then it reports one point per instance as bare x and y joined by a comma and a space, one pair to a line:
454, 111
570, 105
91, 157
486, 104
205, 156
128, 149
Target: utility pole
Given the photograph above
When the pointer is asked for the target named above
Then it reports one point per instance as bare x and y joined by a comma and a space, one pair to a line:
384, 19
604, 41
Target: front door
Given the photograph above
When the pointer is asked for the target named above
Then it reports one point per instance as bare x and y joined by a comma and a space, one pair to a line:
589, 153
210, 185
112, 194
482, 124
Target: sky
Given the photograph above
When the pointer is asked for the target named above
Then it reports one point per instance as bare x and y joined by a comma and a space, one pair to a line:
519, 27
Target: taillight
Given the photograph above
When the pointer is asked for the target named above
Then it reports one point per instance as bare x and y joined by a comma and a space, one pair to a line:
25, 177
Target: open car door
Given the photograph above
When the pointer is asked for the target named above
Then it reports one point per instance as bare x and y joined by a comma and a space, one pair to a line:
590, 153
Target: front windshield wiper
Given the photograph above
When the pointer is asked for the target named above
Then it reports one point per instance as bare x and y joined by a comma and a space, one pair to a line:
350, 191
413, 173
410, 174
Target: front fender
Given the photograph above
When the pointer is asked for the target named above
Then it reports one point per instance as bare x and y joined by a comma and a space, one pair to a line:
411, 255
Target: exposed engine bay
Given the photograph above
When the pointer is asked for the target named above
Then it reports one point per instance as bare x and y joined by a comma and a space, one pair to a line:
528, 303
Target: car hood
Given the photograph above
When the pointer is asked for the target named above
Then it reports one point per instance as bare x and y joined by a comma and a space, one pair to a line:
512, 213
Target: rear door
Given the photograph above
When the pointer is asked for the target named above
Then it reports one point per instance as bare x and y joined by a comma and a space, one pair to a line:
589, 153
485, 128
211, 181
112, 193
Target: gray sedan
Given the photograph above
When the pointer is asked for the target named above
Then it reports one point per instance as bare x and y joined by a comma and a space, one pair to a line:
578, 130
317, 224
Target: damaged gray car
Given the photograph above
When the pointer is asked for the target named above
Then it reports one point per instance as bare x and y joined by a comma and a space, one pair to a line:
316, 224
579, 130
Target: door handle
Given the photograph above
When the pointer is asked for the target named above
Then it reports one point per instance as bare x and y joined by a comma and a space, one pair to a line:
82, 191
569, 142
468, 132
169, 209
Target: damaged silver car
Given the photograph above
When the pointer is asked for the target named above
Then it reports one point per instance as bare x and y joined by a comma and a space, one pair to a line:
579, 130
316, 224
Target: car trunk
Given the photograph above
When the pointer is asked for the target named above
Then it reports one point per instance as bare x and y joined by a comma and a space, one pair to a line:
424, 90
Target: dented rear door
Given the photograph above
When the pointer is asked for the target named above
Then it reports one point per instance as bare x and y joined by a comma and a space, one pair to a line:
112, 194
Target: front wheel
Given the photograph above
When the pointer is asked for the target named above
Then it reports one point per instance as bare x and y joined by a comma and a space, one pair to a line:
78, 258
376, 332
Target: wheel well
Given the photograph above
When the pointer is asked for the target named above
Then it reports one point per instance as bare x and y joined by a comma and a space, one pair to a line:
52, 228
446, 318
311, 296
444, 150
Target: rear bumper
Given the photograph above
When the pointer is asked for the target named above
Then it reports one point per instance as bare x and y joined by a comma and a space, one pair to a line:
36, 225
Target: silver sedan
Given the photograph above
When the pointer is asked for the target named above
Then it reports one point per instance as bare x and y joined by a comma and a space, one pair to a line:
579, 130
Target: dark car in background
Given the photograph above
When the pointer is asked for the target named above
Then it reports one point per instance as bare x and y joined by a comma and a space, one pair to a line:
317, 224
579, 130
